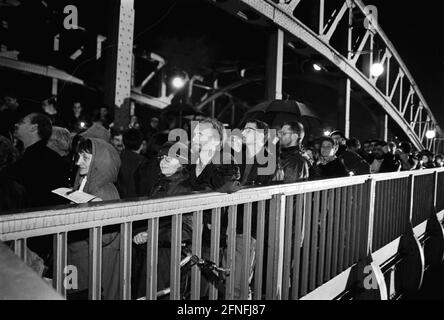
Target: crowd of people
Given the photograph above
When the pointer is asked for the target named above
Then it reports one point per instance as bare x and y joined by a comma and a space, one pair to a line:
40, 152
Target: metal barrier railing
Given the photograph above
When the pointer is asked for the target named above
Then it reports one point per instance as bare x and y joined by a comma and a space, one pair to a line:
296, 237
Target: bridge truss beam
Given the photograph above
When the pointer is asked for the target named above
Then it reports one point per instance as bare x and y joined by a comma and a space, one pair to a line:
282, 14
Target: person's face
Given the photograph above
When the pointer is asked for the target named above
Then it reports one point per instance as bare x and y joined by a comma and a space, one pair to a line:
424, 159
286, 136
251, 135
205, 137
84, 162
154, 123
337, 139
103, 112
144, 147
379, 152
77, 107
24, 128
169, 165
11, 102
439, 161
368, 147
118, 142
327, 149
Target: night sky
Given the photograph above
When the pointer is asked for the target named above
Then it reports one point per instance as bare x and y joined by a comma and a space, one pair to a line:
223, 40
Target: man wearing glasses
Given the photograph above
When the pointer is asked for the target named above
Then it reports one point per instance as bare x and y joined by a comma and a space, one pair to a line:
292, 166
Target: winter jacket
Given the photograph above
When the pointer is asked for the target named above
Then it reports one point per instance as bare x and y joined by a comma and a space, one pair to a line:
101, 176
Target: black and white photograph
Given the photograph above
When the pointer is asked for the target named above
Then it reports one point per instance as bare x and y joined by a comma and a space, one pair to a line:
222, 154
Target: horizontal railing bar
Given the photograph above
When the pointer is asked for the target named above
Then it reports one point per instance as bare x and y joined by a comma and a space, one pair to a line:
71, 218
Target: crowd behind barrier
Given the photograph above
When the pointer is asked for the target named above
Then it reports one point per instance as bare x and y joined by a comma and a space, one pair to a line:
44, 151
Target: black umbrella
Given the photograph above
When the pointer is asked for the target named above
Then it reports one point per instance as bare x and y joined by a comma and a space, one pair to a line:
286, 106
276, 112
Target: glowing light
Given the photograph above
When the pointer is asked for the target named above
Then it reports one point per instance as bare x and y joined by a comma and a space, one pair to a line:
178, 82
327, 133
351, 173
82, 124
430, 134
376, 69
317, 67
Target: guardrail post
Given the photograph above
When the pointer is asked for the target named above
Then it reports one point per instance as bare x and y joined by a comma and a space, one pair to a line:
410, 271
275, 262
434, 246
370, 277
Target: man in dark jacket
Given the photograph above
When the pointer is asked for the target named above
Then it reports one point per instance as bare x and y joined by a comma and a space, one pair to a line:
354, 163
384, 160
39, 171
292, 165
133, 179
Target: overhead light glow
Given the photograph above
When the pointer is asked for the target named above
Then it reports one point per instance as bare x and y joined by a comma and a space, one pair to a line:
327, 133
430, 134
376, 69
178, 82
317, 67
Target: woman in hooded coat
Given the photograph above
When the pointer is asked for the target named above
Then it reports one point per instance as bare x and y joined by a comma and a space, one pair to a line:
99, 165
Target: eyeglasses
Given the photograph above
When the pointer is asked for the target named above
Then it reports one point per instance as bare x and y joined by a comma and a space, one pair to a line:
249, 129
168, 159
283, 133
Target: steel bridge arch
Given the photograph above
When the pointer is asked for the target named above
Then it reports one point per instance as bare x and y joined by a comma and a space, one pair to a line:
281, 13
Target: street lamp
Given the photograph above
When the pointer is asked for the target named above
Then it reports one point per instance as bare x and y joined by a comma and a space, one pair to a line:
317, 67
430, 134
178, 82
376, 69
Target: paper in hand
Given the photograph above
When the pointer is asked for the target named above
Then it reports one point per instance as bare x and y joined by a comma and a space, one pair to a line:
74, 196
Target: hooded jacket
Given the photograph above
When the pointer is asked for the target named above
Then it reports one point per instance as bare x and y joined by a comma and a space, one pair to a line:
97, 131
102, 174
103, 171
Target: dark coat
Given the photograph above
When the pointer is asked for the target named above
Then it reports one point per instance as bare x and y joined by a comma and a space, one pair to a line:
333, 169
12, 196
295, 167
177, 184
251, 171
215, 176
133, 177
390, 163
354, 162
39, 171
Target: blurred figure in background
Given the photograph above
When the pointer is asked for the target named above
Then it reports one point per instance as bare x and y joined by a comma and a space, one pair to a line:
354, 163
339, 139
117, 139
9, 115
77, 119
12, 194
133, 179
405, 156
60, 142
366, 152
425, 158
384, 161
439, 161
329, 166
